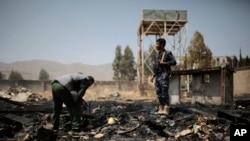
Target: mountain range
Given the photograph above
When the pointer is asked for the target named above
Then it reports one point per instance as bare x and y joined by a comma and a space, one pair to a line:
30, 69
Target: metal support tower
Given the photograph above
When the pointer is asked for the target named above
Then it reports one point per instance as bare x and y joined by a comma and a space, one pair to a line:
168, 24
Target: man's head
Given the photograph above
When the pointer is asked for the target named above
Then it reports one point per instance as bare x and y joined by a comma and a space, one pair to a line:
160, 44
91, 80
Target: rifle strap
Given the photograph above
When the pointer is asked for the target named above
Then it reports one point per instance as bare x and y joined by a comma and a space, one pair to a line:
163, 55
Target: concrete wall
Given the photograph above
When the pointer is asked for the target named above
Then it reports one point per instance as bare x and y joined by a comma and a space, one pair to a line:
174, 89
208, 86
34, 85
41, 86
207, 93
242, 81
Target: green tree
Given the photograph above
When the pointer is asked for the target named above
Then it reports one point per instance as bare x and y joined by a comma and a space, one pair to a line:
247, 61
15, 75
229, 61
185, 62
117, 63
240, 60
234, 61
43, 75
150, 56
199, 55
127, 67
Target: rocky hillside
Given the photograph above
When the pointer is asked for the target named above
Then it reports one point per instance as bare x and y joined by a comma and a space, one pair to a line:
30, 69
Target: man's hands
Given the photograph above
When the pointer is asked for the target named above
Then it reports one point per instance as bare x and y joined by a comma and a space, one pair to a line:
161, 62
152, 78
164, 63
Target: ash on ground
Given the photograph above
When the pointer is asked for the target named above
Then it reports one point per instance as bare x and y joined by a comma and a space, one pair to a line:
121, 120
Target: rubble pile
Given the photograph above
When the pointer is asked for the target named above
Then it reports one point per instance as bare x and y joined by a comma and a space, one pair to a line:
20, 94
123, 120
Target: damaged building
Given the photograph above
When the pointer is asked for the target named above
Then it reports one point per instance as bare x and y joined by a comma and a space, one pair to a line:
207, 86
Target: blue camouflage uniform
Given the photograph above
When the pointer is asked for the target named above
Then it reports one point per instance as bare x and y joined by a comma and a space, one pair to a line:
162, 76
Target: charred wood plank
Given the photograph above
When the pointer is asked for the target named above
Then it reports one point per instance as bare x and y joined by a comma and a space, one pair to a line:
46, 134
232, 117
28, 110
17, 118
203, 111
9, 127
12, 102
31, 108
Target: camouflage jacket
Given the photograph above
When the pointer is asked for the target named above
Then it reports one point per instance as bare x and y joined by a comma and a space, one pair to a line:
168, 59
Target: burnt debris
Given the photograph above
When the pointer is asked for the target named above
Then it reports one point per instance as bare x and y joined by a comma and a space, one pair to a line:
123, 120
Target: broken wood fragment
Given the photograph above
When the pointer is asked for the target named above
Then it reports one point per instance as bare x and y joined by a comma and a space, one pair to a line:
99, 135
123, 131
168, 132
183, 133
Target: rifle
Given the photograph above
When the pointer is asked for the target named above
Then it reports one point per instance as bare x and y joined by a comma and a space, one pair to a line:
167, 71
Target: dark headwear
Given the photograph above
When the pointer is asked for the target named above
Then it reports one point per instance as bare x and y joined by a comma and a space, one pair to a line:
91, 79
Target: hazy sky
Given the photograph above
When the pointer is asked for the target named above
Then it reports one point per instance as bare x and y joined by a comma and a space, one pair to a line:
88, 31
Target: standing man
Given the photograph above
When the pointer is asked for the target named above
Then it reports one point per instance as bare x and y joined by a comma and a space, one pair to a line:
69, 89
162, 68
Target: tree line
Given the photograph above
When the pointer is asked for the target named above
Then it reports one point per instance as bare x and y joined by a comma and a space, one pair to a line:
15, 75
124, 65
197, 56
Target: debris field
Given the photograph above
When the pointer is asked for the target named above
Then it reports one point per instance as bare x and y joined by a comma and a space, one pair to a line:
123, 120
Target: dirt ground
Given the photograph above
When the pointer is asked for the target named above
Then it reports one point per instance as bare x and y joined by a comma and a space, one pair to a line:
109, 94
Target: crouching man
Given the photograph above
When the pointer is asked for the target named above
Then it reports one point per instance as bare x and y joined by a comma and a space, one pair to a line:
69, 89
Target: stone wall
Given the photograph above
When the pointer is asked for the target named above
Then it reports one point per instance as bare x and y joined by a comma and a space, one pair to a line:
242, 81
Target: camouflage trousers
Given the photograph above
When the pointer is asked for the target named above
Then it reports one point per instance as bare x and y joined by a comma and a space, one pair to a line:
161, 87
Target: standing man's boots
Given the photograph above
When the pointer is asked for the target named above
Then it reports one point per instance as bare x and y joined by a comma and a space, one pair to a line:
165, 110
160, 109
